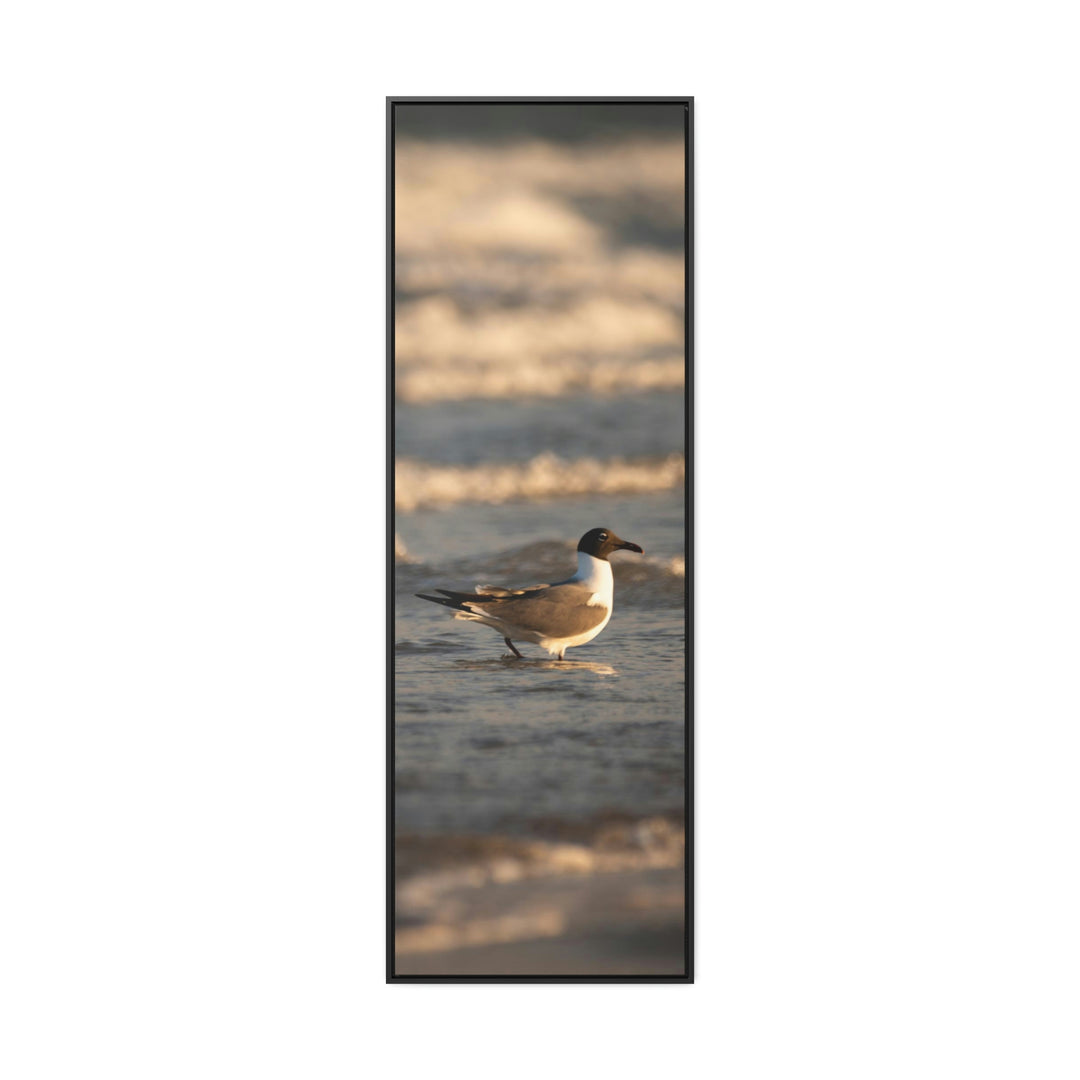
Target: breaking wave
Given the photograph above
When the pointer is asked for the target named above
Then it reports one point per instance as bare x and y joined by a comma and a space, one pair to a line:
534, 197
437, 330
598, 344
538, 270
424, 383
509, 278
423, 484
451, 889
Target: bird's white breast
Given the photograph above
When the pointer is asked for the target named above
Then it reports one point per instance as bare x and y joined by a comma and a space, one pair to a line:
595, 574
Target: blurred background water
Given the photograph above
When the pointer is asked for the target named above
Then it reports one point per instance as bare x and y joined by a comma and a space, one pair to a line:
539, 393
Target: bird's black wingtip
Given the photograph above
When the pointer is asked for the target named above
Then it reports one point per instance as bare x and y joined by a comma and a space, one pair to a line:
437, 599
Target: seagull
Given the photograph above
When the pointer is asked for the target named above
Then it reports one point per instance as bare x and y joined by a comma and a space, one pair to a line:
555, 617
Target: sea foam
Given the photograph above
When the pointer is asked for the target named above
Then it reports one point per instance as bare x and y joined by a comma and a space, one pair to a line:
425, 484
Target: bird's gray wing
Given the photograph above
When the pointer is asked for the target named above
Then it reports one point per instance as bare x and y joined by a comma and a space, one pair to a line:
560, 611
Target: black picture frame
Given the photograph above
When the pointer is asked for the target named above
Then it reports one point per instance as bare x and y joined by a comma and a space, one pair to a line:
688, 976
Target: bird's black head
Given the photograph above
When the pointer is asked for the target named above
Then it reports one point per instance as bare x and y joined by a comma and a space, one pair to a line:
600, 543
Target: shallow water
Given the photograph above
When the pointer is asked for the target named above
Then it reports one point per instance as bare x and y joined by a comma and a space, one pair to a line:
539, 804
474, 432
487, 742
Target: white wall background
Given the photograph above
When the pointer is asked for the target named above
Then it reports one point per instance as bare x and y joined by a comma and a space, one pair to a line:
191, 419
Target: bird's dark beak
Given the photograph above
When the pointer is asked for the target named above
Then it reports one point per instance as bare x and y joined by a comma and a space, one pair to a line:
627, 546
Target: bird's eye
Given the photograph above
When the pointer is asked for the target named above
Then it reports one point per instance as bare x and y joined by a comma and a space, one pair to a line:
603, 536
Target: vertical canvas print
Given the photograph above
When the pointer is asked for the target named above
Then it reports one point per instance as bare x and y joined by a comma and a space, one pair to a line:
539, 730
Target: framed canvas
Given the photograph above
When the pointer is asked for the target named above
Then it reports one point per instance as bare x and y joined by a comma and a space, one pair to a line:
540, 508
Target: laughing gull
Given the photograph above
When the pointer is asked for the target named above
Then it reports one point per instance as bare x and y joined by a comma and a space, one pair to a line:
555, 617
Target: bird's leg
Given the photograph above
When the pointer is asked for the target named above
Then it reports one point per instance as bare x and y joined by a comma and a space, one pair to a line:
512, 649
